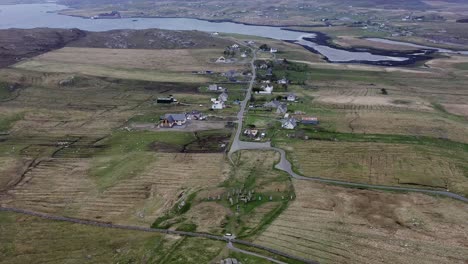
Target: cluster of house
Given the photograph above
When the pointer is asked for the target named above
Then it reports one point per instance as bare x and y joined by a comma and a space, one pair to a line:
171, 120
290, 122
254, 133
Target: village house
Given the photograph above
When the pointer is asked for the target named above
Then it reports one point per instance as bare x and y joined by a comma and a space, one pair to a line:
251, 133
291, 97
217, 105
283, 81
289, 123
266, 89
221, 60
243, 55
272, 50
223, 97
171, 120
264, 66
282, 109
235, 46
272, 104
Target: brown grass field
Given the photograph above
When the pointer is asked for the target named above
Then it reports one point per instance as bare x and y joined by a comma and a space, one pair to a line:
338, 225
29, 239
176, 60
64, 187
379, 163
171, 65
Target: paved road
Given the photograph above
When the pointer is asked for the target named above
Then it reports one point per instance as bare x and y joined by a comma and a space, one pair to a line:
236, 143
285, 165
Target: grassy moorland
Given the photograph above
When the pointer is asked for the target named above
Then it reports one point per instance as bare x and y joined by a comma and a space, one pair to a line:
334, 224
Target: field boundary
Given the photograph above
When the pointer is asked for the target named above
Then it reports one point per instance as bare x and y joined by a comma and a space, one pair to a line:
148, 229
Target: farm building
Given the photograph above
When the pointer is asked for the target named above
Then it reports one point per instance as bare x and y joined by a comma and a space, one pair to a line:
166, 100
170, 120
289, 123
309, 120
215, 88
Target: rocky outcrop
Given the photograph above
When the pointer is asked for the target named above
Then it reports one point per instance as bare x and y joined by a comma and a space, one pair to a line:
18, 44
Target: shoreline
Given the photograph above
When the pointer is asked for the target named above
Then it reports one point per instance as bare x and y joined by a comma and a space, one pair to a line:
224, 20
325, 40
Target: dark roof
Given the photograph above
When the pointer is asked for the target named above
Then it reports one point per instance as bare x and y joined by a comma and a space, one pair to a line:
175, 117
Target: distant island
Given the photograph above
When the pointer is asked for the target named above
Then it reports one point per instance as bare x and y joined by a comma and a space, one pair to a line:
111, 15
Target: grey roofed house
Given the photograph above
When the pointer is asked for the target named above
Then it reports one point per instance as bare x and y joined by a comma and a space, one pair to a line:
272, 104
289, 123
170, 120
213, 87
223, 97
282, 109
176, 117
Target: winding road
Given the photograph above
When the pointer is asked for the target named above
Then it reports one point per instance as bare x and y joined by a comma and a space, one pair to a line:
286, 166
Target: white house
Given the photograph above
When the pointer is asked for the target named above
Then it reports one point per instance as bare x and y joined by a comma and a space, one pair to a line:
243, 55
266, 89
272, 50
221, 60
235, 46
217, 105
283, 81
291, 97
